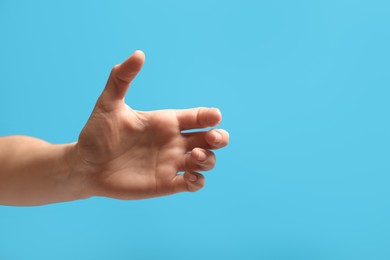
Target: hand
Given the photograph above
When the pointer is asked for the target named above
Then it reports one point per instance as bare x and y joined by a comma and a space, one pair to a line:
130, 154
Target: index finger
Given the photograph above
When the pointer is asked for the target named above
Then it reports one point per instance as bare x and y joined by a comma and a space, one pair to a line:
200, 117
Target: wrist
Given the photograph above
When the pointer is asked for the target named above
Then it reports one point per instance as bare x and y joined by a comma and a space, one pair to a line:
79, 173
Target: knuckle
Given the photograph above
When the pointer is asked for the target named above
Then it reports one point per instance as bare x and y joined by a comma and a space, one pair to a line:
202, 121
116, 76
114, 69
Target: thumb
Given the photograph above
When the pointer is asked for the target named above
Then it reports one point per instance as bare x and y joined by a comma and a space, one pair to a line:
121, 76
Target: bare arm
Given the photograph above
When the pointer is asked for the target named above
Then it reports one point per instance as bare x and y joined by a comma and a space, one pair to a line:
121, 152
34, 172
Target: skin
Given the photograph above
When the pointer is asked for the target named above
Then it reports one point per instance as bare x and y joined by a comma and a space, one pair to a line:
120, 153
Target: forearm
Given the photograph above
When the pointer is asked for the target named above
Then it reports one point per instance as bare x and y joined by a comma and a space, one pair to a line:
34, 172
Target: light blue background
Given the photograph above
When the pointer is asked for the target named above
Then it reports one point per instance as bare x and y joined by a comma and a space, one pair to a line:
304, 87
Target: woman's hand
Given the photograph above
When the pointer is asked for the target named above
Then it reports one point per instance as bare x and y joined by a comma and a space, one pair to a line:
129, 154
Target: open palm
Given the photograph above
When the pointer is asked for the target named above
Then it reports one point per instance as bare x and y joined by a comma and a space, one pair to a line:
132, 154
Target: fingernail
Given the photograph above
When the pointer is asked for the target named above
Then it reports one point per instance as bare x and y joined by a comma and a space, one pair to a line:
218, 110
217, 137
193, 178
202, 156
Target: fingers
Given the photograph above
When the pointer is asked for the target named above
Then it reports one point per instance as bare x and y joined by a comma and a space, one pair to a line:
189, 181
213, 139
198, 160
122, 75
198, 117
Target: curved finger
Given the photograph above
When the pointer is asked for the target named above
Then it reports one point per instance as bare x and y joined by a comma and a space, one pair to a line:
198, 160
190, 181
210, 140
